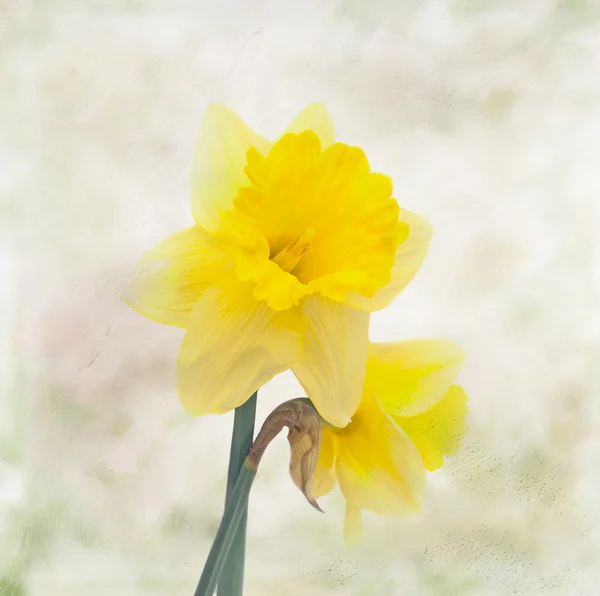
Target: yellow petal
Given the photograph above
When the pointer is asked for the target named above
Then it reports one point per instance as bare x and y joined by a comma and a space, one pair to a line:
377, 465
219, 161
324, 478
408, 377
171, 277
353, 526
233, 346
331, 365
439, 430
410, 254
315, 117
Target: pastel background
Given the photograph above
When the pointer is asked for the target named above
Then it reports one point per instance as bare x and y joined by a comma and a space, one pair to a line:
486, 114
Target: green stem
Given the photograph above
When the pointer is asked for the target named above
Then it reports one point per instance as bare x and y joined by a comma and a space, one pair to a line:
235, 511
231, 582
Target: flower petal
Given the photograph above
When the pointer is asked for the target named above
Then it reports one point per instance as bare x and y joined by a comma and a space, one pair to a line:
233, 345
315, 117
353, 526
219, 161
410, 254
331, 365
377, 465
171, 277
409, 377
439, 430
324, 478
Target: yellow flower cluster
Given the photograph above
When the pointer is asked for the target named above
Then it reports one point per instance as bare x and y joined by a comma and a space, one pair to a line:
295, 243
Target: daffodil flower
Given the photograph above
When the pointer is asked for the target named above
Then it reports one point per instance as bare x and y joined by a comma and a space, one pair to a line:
294, 244
410, 417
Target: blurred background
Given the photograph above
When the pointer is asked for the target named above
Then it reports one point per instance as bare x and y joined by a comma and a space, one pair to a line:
487, 116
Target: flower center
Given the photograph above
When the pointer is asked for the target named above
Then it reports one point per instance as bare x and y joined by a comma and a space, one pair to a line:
313, 221
290, 256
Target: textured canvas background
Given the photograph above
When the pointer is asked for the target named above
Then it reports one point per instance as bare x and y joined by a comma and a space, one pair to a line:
486, 114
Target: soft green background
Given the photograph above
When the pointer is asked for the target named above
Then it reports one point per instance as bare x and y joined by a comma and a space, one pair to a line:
486, 114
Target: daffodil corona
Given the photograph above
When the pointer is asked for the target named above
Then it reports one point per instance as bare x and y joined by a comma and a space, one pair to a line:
411, 416
294, 244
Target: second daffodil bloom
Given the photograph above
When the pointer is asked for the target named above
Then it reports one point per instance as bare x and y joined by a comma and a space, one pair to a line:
294, 244
411, 416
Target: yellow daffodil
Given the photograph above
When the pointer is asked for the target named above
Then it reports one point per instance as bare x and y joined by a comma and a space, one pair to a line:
410, 417
294, 243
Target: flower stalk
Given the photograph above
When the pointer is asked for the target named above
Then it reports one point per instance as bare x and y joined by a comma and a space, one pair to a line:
235, 512
304, 424
231, 582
